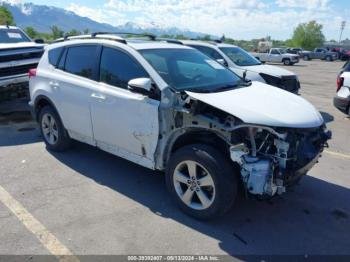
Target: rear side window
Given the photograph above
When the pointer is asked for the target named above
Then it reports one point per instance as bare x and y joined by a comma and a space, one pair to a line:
118, 68
54, 56
80, 60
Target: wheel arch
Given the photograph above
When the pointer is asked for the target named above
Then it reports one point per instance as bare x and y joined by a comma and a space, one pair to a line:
195, 136
40, 102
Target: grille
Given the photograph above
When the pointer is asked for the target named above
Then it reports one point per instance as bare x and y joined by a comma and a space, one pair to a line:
16, 70
22, 56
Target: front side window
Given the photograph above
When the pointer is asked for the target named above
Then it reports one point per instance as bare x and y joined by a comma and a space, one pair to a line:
188, 69
80, 60
118, 68
239, 56
208, 51
10, 36
275, 52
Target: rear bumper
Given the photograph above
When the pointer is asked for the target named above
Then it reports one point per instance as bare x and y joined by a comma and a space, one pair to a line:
341, 103
32, 110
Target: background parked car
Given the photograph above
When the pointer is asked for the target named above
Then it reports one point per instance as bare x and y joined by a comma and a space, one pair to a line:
241, 62
343, 54
295, 51
342, 98
319, 53
18, 54
277, 55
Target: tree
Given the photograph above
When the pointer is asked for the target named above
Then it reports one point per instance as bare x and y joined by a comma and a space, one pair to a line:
31, 32
6, 17
56, 32
308, 35
73, 32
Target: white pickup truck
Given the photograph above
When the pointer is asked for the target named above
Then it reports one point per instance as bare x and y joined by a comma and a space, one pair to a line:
277, 55
18, 54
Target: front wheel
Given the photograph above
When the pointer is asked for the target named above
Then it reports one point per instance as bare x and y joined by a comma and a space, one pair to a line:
306, 58
202, 181
329, 59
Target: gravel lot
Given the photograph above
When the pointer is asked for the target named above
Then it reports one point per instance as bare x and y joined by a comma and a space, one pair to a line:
95, 203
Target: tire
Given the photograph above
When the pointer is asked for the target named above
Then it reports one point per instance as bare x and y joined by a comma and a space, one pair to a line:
287, 62
306, 58
52, 130
329, 58
220, 184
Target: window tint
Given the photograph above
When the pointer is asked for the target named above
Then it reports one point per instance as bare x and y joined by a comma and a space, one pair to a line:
117, 68
274, 52
63, 59
80, 60
54, 56
208, 51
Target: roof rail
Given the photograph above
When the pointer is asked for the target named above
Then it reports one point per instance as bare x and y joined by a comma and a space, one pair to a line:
170, 41
150, 36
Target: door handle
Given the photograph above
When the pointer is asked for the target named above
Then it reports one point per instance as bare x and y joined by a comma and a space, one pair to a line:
98, 96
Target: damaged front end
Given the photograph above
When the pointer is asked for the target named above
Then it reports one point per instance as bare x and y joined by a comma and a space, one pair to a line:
273, 159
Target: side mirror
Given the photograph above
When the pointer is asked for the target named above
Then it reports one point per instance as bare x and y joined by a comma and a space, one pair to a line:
39, 41
140, 85
222, 62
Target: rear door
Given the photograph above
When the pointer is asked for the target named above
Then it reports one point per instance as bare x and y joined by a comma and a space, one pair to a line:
124, 123
74, 86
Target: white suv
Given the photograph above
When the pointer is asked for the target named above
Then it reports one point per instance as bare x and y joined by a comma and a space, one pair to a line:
241, 62
169, 107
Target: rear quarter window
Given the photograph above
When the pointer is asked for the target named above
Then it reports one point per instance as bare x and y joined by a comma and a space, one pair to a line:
54, 56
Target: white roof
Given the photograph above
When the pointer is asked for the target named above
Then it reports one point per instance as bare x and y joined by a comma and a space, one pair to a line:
156, 45
8, 27
136, 44
204, 43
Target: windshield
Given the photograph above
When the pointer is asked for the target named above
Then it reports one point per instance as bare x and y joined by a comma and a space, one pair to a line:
188, 69
9, 36
240, 57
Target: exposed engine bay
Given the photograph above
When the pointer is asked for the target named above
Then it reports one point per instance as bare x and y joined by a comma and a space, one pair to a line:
270, 158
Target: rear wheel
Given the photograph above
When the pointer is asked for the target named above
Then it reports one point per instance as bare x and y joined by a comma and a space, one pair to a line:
202, 181
55, 135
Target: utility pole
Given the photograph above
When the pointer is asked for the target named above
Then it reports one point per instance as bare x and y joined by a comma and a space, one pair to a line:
342, 27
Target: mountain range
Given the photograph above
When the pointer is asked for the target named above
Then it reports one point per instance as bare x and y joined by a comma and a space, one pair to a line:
42, 17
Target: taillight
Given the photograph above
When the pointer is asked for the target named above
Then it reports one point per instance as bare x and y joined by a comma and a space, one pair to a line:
32, 73
340, 82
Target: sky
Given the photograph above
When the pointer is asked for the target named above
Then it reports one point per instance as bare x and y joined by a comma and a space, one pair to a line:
239, 19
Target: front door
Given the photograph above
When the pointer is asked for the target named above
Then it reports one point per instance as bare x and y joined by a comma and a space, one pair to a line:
124, 123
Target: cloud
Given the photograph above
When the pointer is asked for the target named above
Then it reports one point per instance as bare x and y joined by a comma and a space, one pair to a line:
12, 2
307, 4
240, 19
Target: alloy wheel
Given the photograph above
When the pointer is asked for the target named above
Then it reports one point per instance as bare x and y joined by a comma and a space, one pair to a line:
194, 185
49, 128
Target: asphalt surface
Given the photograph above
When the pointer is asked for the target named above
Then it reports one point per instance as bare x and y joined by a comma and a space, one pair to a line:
96, 203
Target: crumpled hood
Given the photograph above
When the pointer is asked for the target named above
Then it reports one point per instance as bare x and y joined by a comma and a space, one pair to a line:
262, 104
269, 70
